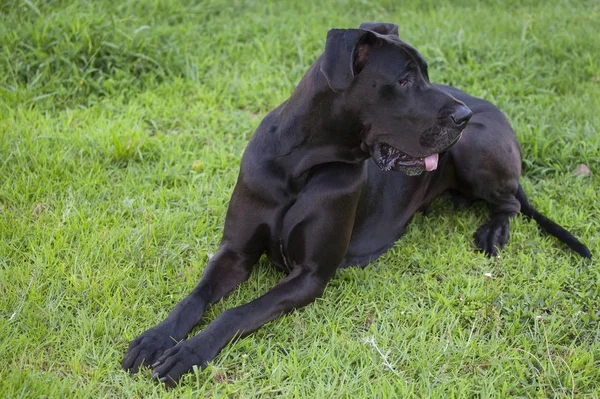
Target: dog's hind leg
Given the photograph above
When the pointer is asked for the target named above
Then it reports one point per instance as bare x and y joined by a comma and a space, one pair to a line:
493, 235
488, 167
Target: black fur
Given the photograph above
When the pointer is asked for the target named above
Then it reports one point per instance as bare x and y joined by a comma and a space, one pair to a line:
331, 178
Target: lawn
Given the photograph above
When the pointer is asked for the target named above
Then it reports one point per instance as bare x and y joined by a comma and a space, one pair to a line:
122, 125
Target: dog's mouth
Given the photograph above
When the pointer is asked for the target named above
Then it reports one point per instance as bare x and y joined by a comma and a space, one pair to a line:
391, 158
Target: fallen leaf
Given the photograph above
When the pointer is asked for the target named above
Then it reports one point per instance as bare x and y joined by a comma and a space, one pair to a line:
39, 208
582, 169
220, 377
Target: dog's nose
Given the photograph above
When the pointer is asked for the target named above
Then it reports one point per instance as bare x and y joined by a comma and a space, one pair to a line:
461, 116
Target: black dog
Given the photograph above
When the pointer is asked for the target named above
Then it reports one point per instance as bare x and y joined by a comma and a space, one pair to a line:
316, 192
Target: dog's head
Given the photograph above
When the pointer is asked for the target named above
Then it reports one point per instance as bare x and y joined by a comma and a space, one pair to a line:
382, 80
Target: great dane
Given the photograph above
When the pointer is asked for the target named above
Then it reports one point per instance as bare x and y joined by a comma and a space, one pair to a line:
330, 179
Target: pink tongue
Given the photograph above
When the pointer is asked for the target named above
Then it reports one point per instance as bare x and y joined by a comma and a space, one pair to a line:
431, 162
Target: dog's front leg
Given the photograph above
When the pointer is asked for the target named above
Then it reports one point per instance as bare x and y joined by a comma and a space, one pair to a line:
316, 234
298, 289
222, 274
240, 249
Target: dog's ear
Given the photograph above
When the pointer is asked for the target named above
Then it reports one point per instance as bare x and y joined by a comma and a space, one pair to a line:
346, 52
382, 28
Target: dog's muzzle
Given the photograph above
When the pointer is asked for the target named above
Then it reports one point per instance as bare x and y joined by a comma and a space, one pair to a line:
390, 158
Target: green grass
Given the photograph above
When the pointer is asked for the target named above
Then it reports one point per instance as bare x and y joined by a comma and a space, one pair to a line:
121, 131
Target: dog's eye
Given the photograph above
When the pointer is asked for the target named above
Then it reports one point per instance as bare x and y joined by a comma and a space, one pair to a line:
403, 82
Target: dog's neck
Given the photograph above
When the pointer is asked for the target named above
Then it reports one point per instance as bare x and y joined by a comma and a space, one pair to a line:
317, 126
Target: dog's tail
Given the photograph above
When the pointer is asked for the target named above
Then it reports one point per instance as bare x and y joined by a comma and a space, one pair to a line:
549, 226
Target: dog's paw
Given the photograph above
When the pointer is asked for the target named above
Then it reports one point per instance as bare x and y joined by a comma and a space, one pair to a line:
178, 361
492, 236
145, 349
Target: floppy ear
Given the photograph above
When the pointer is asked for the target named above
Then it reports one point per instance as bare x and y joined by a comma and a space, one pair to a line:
346, 51
382, 28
